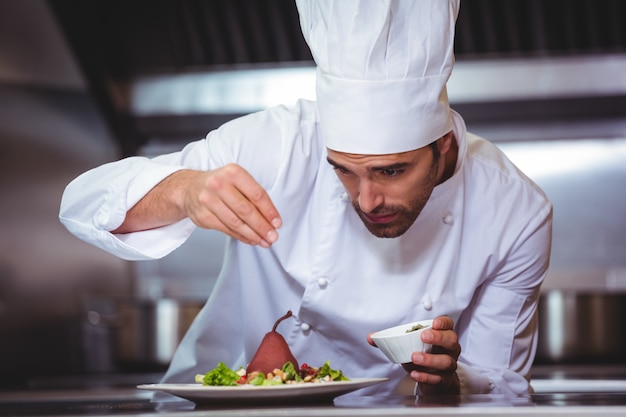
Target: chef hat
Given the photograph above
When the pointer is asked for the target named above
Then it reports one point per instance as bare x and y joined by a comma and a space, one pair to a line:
382, 68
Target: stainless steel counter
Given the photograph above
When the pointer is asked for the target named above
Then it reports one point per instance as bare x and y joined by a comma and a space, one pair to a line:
476, 405
569, 390
560, 390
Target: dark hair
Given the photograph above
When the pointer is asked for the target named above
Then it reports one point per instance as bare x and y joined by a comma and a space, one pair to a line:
435, 147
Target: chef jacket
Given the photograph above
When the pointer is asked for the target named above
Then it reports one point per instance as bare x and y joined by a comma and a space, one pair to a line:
478, 253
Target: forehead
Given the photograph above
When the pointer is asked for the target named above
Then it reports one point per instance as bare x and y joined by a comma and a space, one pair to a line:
366, 160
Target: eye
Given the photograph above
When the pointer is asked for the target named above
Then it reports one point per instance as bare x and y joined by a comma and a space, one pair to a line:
340, 170
391, 172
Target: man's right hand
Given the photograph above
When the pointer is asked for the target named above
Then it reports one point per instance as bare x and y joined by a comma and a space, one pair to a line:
227, 199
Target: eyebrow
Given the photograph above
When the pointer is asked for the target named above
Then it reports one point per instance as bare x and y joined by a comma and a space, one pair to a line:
397, 165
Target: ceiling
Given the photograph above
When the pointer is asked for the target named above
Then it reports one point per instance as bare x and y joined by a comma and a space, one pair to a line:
119, 41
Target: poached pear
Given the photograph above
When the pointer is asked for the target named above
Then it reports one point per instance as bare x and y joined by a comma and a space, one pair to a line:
273, 352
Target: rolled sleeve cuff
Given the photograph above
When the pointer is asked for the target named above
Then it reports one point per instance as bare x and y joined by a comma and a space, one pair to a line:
109, 203
472, 381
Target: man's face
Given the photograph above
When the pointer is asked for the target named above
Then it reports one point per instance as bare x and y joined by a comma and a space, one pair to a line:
388, 192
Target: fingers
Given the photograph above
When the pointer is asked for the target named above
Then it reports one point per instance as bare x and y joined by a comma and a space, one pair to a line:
429, 383
437, 369
230, 200
443, 323
442, 337
434, 363
256, 207
424, 377
436, 373
237, 213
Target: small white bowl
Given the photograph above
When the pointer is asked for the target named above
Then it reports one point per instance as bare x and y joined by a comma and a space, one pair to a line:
398, 345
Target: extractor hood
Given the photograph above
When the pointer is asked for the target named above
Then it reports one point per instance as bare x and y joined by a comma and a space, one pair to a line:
127, 47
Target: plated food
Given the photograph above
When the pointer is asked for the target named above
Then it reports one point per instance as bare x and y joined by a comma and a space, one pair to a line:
287, 374
253, 395
273, 375
272, 364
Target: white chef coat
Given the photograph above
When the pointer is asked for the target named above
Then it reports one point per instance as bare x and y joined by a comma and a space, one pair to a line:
478, 252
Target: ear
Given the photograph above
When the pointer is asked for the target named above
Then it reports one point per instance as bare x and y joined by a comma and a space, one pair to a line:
445, 142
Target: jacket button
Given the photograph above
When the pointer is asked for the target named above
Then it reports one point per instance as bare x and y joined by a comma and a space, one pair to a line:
448, 219
322, 282
427, 302
305, 327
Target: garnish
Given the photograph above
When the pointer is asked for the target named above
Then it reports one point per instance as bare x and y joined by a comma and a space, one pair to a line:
288, 374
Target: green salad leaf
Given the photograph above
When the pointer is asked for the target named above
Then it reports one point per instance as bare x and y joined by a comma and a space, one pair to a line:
335, 374
291, 372
260, 379
224, 376
221, 375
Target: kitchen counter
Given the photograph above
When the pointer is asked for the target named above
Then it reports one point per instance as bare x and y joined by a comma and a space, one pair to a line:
563, 390
560, 391
137, 404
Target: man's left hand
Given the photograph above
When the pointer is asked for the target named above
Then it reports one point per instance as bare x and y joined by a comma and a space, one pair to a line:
436, 371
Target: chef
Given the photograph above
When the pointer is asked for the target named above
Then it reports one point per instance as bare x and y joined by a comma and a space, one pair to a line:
368, 208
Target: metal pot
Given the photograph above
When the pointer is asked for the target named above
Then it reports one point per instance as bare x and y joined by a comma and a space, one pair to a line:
145, 332
581, 327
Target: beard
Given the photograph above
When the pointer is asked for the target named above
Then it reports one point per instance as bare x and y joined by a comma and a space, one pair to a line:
405, 215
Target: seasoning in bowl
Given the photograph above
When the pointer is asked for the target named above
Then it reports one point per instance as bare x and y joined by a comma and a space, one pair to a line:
398, 343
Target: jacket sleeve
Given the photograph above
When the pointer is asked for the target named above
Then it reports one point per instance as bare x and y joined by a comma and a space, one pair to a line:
97, 201
499, 335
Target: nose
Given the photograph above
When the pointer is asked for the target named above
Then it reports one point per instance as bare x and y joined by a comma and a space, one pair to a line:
370, 196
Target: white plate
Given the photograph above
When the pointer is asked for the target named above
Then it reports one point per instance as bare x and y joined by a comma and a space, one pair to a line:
313, 392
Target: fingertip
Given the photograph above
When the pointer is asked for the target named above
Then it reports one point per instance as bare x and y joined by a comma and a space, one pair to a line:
417, 358
277, 222
271, 236
440, 323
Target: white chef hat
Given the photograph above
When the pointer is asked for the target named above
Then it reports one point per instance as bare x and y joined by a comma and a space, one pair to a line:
382, 69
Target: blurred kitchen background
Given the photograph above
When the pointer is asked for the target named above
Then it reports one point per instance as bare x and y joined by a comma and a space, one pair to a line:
87, 82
